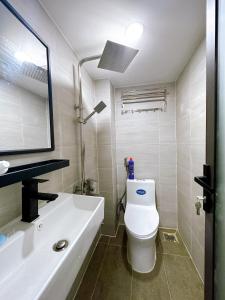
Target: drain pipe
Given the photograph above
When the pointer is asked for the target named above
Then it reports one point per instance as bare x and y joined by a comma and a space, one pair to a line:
80, 108
120, 204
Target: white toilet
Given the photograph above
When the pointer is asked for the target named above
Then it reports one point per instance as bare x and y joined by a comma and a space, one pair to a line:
142, 222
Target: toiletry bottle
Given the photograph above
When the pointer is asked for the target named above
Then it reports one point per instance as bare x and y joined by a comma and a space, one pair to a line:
131, 168
3, 239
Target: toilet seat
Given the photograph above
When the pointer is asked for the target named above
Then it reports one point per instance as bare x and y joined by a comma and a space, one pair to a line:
141, 221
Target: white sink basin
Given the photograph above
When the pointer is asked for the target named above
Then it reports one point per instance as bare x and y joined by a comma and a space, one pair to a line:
29, 267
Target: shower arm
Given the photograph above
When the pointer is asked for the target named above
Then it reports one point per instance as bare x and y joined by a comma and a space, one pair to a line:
89, 58
80, 64
81, 120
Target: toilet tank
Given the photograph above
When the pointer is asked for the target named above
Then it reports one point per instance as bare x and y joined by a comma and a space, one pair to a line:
141, 192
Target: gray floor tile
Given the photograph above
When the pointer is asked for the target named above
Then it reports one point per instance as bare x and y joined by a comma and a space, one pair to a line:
114, 282
90, 278
151, 286
104, 239
184, 282
174, 274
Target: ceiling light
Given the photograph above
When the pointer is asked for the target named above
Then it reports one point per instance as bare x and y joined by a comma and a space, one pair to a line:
134, 32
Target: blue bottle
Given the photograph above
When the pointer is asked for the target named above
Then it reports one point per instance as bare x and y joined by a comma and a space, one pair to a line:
130, 168
3, 239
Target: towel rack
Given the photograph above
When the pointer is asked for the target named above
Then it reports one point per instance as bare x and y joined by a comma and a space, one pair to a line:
143, 100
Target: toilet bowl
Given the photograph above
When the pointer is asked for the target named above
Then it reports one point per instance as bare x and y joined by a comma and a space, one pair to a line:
142, 222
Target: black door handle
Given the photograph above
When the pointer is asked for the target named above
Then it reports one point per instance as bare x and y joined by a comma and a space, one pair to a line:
203, 181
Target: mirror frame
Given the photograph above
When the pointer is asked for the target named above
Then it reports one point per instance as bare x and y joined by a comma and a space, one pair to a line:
51, 123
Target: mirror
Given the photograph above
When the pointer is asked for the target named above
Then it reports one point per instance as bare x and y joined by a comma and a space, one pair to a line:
26, 121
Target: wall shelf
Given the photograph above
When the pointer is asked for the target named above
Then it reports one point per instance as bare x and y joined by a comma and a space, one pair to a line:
25, 172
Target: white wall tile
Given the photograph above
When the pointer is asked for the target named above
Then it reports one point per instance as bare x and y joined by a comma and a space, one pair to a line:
106, 153
167, 132
150, 138
167, 218
167, 174
191, 131
167, 197
62, 59
147, 154
168, 153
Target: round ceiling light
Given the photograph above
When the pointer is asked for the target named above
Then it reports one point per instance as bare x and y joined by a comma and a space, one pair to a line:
134, 31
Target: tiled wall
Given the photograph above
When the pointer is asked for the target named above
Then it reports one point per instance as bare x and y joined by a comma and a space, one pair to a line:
154, 150
106, 153
66, 128
18, 127
150, 138
191, 101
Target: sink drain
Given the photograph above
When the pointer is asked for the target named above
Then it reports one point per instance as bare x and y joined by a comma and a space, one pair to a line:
60, 245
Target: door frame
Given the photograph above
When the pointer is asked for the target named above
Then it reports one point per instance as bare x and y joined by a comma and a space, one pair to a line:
211, 99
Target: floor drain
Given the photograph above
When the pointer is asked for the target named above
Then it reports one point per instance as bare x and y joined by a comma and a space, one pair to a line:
170, 237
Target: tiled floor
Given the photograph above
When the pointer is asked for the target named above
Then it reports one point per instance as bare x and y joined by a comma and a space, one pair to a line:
110, 277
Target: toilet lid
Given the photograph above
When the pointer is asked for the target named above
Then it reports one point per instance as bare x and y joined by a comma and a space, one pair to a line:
141, 220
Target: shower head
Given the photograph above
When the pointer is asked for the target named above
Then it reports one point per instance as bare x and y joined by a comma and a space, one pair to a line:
97, 109
116, 57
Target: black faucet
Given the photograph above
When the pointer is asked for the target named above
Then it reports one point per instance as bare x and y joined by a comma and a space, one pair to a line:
30, 197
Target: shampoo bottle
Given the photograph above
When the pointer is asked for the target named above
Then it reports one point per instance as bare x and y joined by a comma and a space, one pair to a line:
130, 168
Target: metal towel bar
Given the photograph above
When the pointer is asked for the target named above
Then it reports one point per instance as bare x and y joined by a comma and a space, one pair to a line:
143, 97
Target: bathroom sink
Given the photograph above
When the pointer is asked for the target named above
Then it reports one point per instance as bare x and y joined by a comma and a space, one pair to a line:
30, 266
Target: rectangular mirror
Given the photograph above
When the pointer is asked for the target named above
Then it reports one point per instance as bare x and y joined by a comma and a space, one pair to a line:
26, 117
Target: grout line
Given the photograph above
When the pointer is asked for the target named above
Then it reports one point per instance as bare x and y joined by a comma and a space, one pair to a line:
167, 280
176, 141
108, 243
100, 269
115, 245
168, 228
113, 236
131, 288
179, 255
101, 235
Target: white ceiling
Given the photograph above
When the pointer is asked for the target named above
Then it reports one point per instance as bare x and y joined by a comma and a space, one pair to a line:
172, 30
